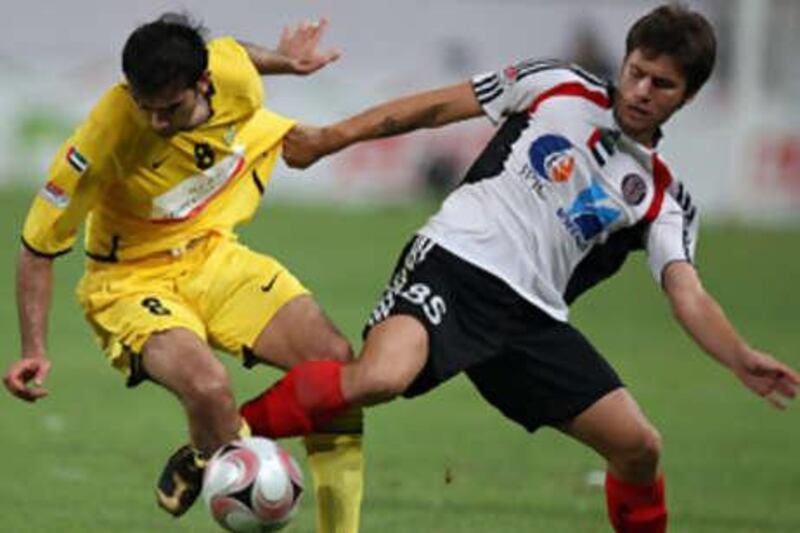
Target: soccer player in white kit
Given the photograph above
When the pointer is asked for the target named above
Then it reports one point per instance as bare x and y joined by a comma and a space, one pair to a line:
569, 185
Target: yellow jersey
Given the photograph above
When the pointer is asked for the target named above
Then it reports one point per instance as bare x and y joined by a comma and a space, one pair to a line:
141, 193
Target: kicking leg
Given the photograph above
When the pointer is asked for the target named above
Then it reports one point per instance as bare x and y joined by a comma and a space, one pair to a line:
314, 392
617, 429
183, 364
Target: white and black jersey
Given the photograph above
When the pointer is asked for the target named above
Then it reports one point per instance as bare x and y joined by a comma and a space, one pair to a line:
560, 195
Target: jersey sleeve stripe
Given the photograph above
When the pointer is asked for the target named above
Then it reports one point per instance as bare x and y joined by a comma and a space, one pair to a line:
588, 77
482, 81
39, 253
690, 214
489, 87
572, 89
486, 89
488, 97
538, 63
542, 66
538, 67
684, 199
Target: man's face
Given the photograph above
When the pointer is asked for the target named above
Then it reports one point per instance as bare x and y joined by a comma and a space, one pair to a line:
651, 89
174, 109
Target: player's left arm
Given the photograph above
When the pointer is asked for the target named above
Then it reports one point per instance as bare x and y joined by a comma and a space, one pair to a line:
705, 321
297, 52
304, 145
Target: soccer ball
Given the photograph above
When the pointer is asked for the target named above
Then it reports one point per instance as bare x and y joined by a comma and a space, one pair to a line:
252, 484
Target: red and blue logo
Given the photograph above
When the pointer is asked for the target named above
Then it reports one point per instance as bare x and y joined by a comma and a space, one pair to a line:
552, 158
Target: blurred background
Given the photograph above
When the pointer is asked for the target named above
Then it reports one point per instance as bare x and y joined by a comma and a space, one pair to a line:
86, 458
738, 147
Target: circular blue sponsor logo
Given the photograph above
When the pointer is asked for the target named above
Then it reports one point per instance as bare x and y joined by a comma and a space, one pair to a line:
551, 157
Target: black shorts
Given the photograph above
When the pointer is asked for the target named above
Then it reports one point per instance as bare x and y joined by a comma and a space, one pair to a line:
535, 369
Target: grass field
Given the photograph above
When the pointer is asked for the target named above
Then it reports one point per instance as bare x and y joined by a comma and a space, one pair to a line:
85, 459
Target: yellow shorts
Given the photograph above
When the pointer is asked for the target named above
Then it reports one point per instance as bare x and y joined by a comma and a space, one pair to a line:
217, 288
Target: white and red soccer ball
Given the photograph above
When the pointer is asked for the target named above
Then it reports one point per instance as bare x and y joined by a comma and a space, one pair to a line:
252, 484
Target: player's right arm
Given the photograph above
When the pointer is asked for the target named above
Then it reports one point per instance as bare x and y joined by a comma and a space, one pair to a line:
498, 95
80, 170
304, 145
25, 377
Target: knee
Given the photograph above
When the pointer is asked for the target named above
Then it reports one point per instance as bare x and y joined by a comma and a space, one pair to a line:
366, 387
208, 387
337, 348
385, 388
641, 453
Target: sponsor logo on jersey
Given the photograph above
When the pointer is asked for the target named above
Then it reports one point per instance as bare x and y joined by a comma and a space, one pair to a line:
587, 217
76, 160
634, 189
55, 195
191, 195
551, 156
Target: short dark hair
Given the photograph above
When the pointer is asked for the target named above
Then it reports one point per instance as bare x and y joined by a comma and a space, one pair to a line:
685, 35
168, 51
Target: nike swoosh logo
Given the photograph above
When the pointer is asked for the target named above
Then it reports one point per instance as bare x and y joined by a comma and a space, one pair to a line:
270, 284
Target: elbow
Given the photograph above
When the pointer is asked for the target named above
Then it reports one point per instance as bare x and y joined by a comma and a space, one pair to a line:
689, 306
293, 162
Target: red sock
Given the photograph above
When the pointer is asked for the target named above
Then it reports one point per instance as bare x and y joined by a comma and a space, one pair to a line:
636, 508
309, 395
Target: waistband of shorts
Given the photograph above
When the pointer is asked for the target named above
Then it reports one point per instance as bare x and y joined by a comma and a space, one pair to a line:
163, 256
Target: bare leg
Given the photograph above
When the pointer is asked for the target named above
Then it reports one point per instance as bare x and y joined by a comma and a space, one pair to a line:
298, 332
394, 353
182, 363
617, 429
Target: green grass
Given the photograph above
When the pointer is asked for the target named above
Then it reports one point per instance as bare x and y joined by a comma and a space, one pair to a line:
85, 458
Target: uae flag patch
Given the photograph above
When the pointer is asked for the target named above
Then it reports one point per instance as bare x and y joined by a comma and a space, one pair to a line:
76, 160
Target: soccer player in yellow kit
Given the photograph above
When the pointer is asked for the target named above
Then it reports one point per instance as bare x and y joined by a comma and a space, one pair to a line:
162, 171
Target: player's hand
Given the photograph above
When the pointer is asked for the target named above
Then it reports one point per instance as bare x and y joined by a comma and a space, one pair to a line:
301, 46
768, 377
303, 145
25, 378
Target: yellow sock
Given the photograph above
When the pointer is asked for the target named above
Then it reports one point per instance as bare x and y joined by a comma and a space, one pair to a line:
244, 430
337, 464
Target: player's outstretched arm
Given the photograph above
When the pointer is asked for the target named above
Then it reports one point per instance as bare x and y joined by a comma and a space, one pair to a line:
25, 377
297, 52
304, 145
702, 317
